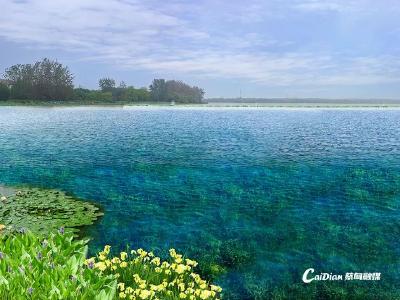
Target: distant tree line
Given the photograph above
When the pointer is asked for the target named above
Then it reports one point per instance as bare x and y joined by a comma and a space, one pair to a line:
50, 80
44, 80
172, 90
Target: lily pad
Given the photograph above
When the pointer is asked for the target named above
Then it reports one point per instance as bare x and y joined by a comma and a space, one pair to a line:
44, 211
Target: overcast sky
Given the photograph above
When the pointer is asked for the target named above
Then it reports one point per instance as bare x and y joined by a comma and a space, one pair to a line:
270, 48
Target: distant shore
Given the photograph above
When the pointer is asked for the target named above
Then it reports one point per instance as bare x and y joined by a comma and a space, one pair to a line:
214, 104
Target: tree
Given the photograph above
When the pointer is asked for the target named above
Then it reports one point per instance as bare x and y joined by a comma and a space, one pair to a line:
173, 90
4, 91
158, 90
46, 79
106, 84
80, 94
122, 85
21, 78
136, 95
183, 93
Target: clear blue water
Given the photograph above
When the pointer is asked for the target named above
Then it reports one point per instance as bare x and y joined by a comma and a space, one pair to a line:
256, 195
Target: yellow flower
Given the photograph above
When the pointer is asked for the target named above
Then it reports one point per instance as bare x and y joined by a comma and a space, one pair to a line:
172, 252
142, 286
190, 262
205, 294
123, 255
141, 252
124, 264
156, 261
122, 295
144, 294
216, 288
180, 269
121, 286
182, 295
115, 260
101, 266
89, 261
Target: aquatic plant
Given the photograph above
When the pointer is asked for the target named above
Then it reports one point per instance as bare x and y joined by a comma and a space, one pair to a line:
33, 267
57, 267
44, 211
142, 275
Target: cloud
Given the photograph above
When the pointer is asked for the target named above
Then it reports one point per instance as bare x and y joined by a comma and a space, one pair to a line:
200, 38
328, 5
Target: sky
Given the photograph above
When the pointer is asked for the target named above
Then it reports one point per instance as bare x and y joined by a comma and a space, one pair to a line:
270, 48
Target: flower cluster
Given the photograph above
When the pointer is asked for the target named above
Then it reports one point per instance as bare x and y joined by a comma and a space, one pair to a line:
142, 275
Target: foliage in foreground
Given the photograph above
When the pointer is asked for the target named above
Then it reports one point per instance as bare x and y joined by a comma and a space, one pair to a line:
142, 275
55, 267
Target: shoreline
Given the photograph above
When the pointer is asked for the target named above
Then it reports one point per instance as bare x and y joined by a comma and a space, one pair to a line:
272, 104
209, 106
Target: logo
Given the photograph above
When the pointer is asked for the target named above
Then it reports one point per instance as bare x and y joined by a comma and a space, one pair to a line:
309, 276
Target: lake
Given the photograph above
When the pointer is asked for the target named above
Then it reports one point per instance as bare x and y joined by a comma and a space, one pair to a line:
257, 196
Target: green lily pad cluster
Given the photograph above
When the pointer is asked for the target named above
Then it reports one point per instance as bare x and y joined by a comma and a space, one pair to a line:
43, 211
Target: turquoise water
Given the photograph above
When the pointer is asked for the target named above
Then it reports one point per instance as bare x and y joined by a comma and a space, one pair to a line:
255, 195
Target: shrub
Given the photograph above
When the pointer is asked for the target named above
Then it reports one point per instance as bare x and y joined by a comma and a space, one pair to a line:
141, 275
99, 96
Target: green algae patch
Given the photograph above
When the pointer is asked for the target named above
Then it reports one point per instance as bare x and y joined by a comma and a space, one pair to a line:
43, 211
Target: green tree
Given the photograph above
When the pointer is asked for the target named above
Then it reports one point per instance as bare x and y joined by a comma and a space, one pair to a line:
136, 95
81, 94
4, 91
21, 78
106, 84
99, 96
46, 79
183, 93
122, 85
158, 90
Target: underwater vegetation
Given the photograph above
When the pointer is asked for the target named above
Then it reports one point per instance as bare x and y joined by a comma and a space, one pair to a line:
43, 211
